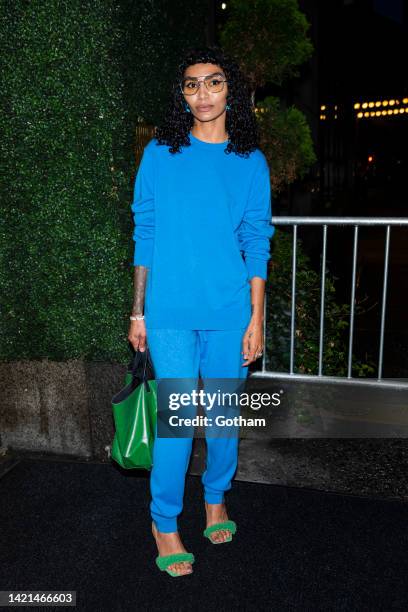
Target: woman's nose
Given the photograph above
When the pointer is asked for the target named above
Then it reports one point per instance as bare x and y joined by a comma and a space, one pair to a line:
202, 93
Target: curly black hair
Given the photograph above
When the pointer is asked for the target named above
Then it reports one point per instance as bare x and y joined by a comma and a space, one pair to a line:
240, 123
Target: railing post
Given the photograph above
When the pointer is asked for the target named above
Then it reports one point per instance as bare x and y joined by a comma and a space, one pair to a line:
384, 298
322, 290
353, 293
293, 312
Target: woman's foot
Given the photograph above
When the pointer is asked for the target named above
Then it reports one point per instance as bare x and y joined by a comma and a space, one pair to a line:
169, 543
217, 513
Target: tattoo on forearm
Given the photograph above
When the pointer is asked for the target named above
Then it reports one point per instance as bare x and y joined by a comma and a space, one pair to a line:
139, 284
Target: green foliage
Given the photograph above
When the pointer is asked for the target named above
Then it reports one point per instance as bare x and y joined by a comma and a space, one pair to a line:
307, 317
268, 37
286, 141
76, 75
65, 259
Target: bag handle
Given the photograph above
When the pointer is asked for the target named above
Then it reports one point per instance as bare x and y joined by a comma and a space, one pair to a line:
147, 361
142, 367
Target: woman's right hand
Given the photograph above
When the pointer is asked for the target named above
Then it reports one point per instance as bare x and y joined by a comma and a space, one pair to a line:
137, 335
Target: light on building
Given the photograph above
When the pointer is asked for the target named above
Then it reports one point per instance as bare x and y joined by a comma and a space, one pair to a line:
382, 103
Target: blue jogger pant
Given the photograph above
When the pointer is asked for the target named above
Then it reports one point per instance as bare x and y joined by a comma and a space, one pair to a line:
182, 353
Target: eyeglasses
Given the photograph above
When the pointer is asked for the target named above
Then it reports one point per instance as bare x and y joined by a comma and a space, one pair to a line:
213, 83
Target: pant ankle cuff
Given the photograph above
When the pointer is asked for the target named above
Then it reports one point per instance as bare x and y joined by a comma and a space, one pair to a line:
214, 498
165, 526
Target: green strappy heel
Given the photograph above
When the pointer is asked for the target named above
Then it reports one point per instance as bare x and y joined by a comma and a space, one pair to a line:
164, 562
230, 525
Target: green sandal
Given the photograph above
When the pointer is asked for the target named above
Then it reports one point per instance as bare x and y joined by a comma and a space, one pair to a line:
230, 525
164, 562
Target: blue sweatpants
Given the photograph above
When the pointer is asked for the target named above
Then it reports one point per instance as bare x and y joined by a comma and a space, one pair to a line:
182, 353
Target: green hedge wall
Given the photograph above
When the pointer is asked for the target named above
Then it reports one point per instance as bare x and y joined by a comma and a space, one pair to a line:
74, 82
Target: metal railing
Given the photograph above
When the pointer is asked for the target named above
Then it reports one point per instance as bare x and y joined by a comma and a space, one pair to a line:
325, 221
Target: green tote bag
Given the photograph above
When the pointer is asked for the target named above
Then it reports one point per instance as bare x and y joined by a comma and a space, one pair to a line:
135, 415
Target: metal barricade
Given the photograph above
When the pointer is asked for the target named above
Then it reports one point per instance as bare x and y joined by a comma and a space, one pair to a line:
356, 222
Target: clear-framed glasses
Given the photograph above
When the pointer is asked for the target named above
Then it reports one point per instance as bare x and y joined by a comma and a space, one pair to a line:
213, 82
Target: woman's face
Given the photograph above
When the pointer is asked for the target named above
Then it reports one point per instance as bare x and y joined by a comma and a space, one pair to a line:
205, 103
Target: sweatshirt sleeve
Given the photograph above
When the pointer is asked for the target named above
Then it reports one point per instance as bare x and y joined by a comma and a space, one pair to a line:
143, 210
256, 229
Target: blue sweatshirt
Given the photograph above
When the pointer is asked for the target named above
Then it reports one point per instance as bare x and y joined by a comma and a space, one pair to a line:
197, 214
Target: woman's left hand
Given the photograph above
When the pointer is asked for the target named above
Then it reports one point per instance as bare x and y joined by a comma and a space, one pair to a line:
252, 342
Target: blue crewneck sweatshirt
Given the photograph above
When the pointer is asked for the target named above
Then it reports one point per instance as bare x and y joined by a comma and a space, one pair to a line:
202, 227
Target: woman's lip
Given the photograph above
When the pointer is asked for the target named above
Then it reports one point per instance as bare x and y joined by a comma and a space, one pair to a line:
204, 108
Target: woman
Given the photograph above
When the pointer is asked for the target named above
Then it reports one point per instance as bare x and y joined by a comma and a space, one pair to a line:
202, 212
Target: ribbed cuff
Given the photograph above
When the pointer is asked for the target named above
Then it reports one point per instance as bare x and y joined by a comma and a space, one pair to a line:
143, 253
214, 498
164, 525
256, 267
